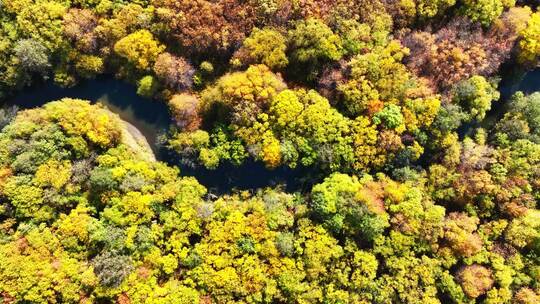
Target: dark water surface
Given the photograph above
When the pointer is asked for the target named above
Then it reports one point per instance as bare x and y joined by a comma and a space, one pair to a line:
152, 118
526, 82
511, 83
513, 80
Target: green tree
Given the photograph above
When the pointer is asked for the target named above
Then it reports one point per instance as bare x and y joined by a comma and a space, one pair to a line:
147, 86
522, 120
40, 20
390, 116
40, 146
377, 75
483, 11
475, 96
429, 9
347, 205
315, 132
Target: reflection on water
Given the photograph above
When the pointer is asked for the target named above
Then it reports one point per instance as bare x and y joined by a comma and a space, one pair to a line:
513, 81
253, 175
151, 130
519, 81
152, 118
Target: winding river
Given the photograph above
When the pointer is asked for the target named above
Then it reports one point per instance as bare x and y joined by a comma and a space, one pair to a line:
152, 119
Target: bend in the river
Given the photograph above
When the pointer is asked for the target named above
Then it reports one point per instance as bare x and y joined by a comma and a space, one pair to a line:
150, 118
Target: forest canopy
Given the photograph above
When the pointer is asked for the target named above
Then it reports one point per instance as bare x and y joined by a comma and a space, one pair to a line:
424, 177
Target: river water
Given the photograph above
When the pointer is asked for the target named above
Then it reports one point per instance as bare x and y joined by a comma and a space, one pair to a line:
152, 118
511, 83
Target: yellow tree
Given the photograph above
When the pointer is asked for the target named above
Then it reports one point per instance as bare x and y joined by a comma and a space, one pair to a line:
530, 41
139, 48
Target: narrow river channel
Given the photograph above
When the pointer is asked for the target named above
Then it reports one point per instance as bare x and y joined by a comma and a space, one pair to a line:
152, 118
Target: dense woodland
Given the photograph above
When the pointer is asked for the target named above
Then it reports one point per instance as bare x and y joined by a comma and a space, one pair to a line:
423, 200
